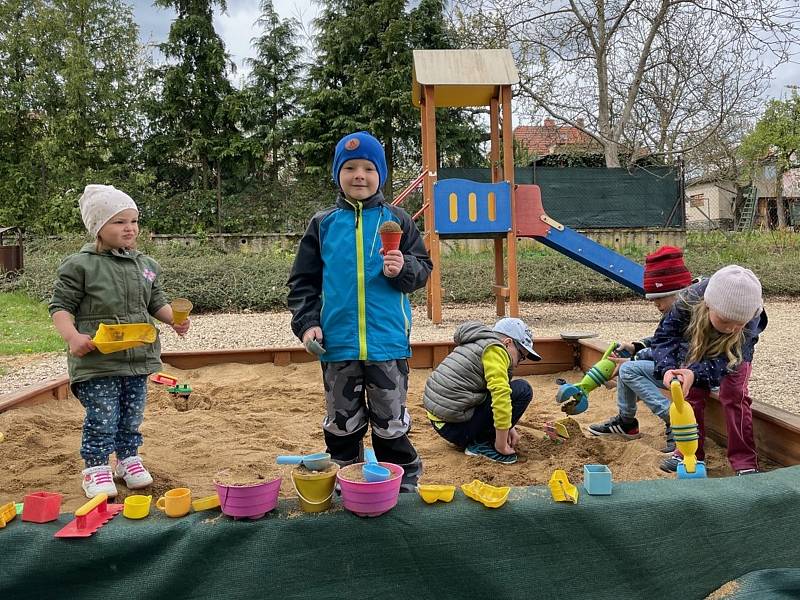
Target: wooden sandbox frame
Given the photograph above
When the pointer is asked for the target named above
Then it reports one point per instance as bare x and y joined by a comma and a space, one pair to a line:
777, 432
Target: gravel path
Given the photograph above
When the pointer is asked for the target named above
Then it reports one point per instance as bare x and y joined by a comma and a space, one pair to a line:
775, 379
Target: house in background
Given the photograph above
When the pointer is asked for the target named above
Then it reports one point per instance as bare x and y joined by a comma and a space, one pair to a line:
548, 139
710, 204
768, 214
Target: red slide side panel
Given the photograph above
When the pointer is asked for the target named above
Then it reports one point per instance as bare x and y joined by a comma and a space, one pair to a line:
528, 206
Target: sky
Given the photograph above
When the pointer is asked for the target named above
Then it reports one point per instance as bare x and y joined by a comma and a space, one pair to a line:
236, 28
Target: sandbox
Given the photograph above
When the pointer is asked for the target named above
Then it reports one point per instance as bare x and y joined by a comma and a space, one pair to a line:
244, 415
249, 406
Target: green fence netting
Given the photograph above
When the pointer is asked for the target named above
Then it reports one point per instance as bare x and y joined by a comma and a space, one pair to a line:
587, 198
650, 539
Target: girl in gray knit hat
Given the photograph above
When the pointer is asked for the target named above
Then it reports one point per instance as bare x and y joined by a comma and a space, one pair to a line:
110, 282
706, 341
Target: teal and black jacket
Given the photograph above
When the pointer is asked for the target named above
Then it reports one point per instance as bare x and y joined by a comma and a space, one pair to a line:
337, 281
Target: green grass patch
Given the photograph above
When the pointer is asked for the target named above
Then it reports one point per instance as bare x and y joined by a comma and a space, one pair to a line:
25, 326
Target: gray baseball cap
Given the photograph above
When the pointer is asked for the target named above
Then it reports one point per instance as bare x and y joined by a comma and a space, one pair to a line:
519, 332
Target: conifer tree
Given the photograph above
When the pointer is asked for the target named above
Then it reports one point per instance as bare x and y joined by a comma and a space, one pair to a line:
272, 90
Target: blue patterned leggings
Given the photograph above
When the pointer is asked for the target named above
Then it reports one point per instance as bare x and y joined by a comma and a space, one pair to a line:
114, 411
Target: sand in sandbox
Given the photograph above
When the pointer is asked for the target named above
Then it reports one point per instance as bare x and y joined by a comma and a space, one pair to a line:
246, 415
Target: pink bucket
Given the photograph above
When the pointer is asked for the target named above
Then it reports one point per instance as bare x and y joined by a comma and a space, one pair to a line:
248, 501
370, 499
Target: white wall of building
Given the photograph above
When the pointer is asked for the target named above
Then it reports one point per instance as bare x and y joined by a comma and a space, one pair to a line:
712, 200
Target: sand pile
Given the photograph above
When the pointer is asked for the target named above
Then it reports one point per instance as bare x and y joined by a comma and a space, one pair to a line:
243, 416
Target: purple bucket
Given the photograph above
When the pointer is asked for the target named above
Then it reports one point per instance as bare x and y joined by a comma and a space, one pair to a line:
248, 501
369, 499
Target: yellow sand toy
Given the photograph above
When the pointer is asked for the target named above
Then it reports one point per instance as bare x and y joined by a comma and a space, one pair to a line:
684, 426
561, 489
114, 338
205, 503
488, 495
7, 513
557, 430
431, 493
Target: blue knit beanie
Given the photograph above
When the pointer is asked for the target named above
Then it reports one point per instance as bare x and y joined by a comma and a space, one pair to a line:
360, 145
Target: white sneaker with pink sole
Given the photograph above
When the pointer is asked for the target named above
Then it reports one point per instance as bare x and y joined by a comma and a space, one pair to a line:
132, 471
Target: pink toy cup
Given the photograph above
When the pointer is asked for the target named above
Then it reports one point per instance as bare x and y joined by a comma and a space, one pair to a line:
248, 501
390, 240
41, 507
370, 499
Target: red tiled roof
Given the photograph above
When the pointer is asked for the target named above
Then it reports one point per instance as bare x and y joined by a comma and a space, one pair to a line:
549, 138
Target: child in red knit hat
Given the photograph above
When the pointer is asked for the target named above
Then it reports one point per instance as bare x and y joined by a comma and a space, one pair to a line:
665, 275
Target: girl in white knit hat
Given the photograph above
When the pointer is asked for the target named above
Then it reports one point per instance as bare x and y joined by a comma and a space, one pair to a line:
706, 340
110, 282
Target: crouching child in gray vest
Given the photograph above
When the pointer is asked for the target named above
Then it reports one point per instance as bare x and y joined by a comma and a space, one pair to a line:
470, 397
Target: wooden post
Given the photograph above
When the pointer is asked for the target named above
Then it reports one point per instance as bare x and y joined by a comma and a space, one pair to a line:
429, 163
508, 172
497, 175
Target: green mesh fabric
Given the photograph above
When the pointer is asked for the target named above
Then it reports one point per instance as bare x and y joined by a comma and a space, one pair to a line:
650, 539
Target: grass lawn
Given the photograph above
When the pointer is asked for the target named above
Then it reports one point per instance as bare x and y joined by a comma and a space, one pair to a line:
25, 326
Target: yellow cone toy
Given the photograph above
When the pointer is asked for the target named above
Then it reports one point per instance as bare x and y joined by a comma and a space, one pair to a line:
684, 426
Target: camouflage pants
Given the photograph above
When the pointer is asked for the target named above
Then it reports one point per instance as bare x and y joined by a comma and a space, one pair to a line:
360, 393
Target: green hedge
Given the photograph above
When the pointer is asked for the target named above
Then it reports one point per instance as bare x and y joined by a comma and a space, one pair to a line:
218, 282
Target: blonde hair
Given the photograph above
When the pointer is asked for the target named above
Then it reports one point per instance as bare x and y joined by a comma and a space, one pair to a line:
705, 341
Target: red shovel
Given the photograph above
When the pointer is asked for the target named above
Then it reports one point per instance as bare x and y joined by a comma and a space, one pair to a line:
90, 517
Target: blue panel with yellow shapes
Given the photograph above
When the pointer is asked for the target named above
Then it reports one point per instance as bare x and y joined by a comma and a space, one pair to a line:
464, 208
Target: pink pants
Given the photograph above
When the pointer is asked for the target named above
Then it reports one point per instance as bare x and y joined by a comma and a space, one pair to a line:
735, 401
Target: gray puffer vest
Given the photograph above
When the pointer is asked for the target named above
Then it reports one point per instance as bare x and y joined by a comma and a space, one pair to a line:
458, 384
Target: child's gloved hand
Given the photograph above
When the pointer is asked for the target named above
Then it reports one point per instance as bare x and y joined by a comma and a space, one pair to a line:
182, 328
80, 344
392, 263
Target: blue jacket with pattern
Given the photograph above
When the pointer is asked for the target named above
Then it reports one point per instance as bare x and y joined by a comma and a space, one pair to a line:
337, 281
670, 346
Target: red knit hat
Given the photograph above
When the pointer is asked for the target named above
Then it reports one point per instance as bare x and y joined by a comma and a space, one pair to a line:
665, 273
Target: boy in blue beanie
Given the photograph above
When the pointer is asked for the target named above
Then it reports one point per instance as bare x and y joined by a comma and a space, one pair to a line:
349, 303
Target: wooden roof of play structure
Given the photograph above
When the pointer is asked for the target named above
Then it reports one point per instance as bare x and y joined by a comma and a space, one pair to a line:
463, 77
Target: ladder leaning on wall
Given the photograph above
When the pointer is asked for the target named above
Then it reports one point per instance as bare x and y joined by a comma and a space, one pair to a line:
748, 211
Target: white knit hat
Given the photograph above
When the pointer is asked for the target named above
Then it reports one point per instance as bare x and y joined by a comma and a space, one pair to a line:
99, 203
735, 293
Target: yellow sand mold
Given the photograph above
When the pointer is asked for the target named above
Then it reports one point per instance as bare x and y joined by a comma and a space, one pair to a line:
561, 489
431, 493
7, 513
114, 338
488, 495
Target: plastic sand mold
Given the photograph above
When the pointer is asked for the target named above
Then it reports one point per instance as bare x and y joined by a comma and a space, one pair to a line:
114, 338
205, 503
488, 495
163, 379
561, 489
433, 493
7, 513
